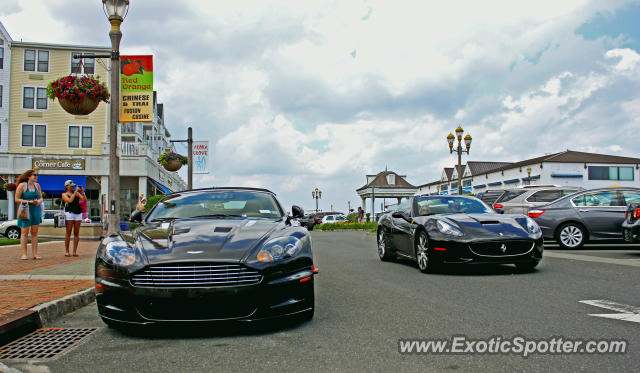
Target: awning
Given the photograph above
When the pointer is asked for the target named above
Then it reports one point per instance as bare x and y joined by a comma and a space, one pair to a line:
163, 188
55, 183
576, 176
496, 183
511, 181
479, 186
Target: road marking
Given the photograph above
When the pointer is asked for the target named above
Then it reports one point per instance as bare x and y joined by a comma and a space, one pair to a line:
625, 311
589, 258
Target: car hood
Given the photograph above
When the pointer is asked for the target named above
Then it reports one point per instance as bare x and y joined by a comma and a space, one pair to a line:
490, 226
221, 240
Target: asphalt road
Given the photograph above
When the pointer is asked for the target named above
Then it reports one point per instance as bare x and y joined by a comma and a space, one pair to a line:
363, 306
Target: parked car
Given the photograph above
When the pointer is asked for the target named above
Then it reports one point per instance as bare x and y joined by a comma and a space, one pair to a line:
631, 223
307, 221
317, 217
585, 216
490, 196
521, 200
334, 218
434, 230
11, 230
233, 254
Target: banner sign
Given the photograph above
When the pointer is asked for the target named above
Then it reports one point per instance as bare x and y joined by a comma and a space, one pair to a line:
200, 157
57, 164
136, 88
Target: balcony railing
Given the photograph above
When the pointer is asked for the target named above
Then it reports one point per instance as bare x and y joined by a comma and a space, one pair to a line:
132, 129
136, 149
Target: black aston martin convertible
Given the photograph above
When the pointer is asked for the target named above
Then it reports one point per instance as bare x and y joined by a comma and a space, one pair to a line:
434, 230
207, 255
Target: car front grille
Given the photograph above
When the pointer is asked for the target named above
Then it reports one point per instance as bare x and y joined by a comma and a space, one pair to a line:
502, 248
195, 275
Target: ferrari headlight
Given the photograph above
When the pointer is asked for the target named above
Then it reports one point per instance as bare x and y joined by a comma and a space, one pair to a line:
448, 228
279, 248
120, 253
532, 226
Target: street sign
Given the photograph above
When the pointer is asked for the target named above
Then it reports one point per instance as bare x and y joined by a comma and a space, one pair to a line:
136, 88
200, 157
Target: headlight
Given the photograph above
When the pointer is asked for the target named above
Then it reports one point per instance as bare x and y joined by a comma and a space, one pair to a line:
279, 248
449, 229
120, 253
532, 226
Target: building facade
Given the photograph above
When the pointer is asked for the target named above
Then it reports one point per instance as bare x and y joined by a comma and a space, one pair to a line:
567, 168
61, 146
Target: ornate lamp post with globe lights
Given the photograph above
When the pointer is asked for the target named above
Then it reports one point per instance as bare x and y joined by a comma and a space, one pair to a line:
467, 142
316, 194
528, 175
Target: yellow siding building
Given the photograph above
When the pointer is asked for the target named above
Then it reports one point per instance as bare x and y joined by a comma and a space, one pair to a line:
39, 125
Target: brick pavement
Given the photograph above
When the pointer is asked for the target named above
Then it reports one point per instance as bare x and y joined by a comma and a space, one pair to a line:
18, 296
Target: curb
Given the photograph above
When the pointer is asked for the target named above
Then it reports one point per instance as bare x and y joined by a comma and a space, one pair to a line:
21, 323
50, 311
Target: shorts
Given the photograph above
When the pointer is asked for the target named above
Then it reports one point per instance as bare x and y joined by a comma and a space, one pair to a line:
71, 216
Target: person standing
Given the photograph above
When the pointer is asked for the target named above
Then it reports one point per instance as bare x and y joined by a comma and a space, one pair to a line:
73, 213
28, 195
83, 205
142, 203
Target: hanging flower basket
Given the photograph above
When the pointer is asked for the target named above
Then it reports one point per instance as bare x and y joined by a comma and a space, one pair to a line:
78, 95
10, 187
172, 161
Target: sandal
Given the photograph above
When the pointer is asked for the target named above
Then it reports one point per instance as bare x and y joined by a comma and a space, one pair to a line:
24, 258
76, 255
67, 254
37, 258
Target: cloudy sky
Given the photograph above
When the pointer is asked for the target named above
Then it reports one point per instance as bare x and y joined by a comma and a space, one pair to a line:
294, 95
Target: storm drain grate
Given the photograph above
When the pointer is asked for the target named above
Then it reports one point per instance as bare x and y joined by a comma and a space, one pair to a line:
45, 343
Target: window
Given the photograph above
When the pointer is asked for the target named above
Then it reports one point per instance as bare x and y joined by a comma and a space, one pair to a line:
611, 173
508, 195
34, 135
1, 53
78, 66
466, 183
597, 199
391, 179
28, 99
0, 96
545, 196
36, 58
630, 196
80, 137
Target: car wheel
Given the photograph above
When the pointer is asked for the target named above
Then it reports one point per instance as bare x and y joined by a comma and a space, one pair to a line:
310, 227
425, 263
13, 233
383, 247
527, 266
571, 236
627, 235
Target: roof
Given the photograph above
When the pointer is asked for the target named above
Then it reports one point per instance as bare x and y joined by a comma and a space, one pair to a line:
429, 184
380, 181
571, 156
448, 171
478, 168
5, 33
71, 47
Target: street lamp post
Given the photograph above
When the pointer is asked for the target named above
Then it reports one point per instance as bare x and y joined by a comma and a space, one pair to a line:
116, 11
316, 194
459, 150
528, 175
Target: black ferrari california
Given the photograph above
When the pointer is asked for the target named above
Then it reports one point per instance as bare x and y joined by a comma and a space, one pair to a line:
435, 230
207, 255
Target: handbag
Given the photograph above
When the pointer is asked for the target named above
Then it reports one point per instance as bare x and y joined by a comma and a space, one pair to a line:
23, 211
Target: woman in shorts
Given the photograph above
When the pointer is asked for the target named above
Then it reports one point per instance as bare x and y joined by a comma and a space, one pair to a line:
73, 213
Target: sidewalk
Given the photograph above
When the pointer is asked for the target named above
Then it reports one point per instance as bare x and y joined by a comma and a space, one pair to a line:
26, 284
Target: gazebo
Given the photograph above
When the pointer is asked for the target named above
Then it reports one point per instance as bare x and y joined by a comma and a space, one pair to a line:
386, 184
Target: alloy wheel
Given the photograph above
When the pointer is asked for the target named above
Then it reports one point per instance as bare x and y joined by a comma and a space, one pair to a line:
422, 254
571, 236
13, 234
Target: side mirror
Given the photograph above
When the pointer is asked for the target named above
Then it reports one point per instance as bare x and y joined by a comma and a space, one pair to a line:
297, 212
136, 216
399, 215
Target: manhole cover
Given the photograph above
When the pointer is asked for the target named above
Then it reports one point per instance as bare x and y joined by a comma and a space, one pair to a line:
45, 344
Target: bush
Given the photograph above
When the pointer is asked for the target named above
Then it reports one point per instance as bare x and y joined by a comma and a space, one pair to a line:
152, 201
370, 226
353, 217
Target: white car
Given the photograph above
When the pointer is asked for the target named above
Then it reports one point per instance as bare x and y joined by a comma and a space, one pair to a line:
11, 230
333, 219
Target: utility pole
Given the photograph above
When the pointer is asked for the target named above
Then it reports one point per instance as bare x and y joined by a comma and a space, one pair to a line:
189, 141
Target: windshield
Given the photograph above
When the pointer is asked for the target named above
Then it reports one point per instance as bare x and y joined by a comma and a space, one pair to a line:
450, 205
216, 204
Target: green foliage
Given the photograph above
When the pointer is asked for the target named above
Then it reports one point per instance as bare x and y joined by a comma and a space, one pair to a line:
168, 156
8, 241
370, 226
368, 215
352, 217
152, 201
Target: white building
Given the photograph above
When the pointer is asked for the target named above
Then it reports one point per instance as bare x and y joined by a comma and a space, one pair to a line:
571, 168
5, 75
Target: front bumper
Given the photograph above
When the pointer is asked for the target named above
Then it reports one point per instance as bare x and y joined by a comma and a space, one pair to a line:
117, 299
486, 252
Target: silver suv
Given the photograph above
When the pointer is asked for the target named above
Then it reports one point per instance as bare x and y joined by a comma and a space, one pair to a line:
520, 200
